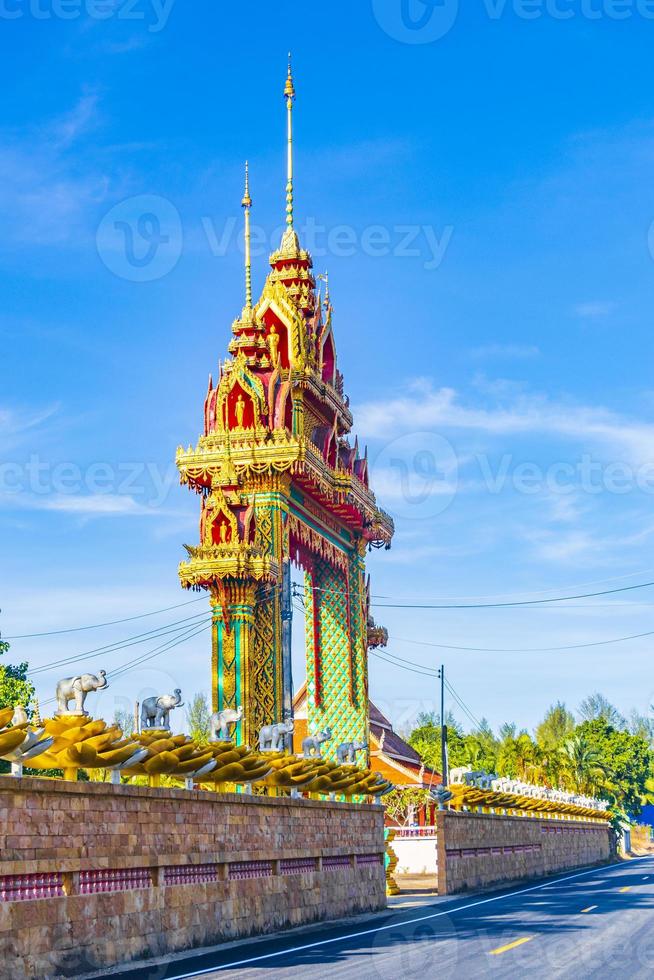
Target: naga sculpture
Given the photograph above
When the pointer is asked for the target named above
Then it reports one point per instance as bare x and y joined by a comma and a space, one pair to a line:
220, 722
271, 737
312, 744
76, 688
347, 751
155, 711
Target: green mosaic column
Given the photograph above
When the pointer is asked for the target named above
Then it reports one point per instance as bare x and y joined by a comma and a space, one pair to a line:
232, 655
335, 678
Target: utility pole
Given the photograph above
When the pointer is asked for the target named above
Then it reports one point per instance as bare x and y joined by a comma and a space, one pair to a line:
444, 764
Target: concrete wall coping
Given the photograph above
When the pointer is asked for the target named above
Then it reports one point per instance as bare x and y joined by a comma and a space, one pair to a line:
15, 785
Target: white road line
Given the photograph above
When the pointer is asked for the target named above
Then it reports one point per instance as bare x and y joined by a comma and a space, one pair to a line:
398, 925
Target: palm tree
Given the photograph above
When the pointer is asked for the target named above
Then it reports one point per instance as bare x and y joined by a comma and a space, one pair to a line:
583, 765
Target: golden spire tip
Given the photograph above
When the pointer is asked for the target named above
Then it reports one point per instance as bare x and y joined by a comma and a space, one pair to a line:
247, 200
247, 204
289, 90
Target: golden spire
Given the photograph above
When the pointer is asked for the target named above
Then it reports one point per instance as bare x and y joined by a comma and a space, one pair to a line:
246, 203
289, 95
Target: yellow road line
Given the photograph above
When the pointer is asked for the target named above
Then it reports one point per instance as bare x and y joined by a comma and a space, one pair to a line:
627, 888
505, 949
590, 908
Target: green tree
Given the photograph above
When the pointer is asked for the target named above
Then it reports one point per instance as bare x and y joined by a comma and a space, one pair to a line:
627, 760
426, 740
583, 763
598, 708
557, 726
402, 804
198, 718
642, 726
15, 688
125, 721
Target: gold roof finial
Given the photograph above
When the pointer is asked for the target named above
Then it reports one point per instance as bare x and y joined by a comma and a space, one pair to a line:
289, 95
246, 204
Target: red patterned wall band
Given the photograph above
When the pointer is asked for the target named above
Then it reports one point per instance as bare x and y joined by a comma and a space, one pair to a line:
465, 852
18, 888
250, 869
335, 862
189, 874
121, 879
370, 859
297, 866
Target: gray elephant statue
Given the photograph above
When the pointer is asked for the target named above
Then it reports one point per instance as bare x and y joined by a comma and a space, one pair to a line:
76, 688
347, 751
271, 737
312, 744
220, 722
155, 711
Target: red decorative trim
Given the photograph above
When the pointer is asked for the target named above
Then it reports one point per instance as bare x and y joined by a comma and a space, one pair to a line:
23, 888
296, 866
250, 869
348, 609
189, 874
122, 879
317, 659
336, 861
369, 859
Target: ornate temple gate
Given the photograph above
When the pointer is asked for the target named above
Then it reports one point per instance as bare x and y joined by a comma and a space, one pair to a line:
280, 481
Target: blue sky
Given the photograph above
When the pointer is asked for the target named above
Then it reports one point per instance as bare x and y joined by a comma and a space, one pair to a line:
483, 202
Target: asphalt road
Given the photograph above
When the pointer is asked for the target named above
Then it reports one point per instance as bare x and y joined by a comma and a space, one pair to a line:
597, 924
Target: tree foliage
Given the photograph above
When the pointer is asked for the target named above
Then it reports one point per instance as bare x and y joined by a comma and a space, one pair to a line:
599, 756
15, 688
198, 718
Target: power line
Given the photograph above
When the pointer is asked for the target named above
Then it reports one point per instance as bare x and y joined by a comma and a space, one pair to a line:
481, 605
504, 605
129, 665
97, 626
402, 666
130, 641
572, 646
169, 645
463, 705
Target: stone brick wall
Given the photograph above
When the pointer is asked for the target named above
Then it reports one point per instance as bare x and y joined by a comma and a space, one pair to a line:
477, 851
93, 874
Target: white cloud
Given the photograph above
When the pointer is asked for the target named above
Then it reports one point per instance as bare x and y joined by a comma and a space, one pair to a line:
515, 351
46, 194
15, 425
424, 407
594, 310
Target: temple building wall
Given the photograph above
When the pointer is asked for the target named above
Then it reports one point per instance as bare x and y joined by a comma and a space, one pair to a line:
477, 851
93, 874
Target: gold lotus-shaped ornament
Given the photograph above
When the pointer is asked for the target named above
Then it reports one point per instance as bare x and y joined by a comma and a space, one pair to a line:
79, 742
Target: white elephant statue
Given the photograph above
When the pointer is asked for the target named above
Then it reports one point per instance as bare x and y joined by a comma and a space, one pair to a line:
76, 688
155, 711
312, 744
271, 737
458, 775
347, 751
220, 722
